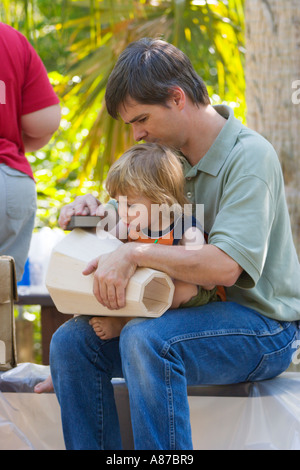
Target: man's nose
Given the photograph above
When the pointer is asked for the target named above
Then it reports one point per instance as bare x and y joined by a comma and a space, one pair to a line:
139, 134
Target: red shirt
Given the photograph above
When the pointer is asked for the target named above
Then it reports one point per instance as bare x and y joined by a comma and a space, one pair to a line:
24, 88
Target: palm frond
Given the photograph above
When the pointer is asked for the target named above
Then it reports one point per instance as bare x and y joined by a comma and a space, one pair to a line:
210, 33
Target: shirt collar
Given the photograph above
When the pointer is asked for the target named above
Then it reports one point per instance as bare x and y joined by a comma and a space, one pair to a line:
215, 157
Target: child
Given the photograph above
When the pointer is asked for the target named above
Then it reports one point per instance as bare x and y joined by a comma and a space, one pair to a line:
148, 183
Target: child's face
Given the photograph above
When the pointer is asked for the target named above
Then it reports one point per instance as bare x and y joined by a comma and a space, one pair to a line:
135, 211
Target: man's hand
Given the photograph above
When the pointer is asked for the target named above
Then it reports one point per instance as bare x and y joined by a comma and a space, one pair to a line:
82, 205
112, 274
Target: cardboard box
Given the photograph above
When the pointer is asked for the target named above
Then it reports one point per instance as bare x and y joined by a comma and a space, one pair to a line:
8, 294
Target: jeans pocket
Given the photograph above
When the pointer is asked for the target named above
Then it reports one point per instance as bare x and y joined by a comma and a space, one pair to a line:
273, 364
20, 193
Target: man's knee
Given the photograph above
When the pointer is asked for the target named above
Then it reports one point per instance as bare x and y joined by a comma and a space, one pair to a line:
67, 338
134, 331
60, 340
138, 344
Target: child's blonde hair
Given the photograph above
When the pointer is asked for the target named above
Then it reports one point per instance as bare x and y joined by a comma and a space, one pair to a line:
151, 170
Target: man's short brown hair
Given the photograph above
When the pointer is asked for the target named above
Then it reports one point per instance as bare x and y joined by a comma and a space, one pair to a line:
147, 71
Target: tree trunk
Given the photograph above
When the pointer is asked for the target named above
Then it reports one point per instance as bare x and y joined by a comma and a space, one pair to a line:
273, 87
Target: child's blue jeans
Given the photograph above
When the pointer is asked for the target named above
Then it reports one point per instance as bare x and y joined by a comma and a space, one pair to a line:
219, 343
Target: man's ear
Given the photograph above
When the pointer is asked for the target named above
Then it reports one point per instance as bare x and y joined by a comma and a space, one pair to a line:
177, 96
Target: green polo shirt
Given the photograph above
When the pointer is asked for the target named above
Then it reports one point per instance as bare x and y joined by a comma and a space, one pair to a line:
239, 181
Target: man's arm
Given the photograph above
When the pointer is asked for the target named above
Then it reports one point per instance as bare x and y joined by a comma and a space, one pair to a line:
38, 127
207, 265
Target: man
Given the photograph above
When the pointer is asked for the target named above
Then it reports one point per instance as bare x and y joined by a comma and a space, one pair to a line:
235, 173
29, 115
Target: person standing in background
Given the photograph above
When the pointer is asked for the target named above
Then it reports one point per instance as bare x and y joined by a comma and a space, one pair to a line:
29, 116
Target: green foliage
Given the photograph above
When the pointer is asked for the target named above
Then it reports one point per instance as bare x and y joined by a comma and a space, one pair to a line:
58, 175
210, 32
79, 42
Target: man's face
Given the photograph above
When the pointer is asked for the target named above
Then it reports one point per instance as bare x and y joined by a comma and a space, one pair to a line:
154, 123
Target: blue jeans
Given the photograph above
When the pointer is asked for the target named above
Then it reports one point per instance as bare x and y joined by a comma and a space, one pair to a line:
219, 343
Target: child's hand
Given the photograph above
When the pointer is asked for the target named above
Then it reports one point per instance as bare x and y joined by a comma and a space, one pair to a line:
82, 205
